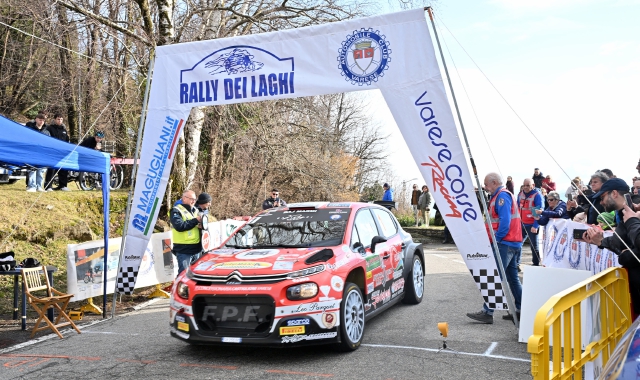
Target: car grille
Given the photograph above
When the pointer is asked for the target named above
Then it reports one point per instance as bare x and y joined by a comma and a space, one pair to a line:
236, 277
234, 316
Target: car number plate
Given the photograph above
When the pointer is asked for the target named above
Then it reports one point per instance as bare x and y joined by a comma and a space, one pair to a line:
231, 340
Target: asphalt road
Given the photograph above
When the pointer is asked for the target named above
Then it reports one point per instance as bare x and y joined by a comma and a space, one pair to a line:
402, 343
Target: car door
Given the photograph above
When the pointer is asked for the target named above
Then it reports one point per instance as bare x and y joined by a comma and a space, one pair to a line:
364, 229
393, 254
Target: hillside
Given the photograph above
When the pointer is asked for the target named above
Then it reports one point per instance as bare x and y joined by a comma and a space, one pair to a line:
40, 225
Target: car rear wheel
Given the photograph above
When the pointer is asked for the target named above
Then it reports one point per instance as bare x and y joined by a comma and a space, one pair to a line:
415, 285
351, 318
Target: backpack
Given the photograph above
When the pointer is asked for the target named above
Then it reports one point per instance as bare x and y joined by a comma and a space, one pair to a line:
30, 262
7, 261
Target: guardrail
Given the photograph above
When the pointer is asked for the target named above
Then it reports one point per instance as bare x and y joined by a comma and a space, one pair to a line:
558, 324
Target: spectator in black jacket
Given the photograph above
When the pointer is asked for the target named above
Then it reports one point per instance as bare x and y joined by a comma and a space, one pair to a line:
597, 180
93, 142
57, 131
626, 241
274, 201
537, 177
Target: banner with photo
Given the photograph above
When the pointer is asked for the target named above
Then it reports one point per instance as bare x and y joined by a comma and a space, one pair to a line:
561, 250
85, 265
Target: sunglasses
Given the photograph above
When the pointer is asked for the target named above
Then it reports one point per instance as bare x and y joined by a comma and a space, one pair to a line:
550, 199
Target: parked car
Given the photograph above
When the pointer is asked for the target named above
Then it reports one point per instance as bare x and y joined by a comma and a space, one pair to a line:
309, 273
11, 174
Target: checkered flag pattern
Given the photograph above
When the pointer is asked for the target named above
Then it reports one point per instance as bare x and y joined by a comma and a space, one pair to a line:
491, 288
127, 280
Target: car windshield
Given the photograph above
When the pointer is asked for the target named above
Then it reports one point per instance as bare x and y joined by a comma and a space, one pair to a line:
292, 229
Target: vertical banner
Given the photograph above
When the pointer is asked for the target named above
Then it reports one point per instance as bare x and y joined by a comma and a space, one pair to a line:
390, 52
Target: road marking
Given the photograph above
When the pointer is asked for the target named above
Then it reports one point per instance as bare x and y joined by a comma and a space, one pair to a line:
136, 361
441, 256
231, 368
449, 352
299, 373
460, 261
491, 348
108, 332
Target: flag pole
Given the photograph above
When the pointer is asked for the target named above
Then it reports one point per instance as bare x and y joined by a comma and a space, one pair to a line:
503, 277
143, 117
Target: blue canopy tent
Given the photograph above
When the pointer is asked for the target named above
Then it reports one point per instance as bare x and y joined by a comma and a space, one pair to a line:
22, 146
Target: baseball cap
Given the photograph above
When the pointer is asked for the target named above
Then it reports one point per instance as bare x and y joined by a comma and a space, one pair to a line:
612, 184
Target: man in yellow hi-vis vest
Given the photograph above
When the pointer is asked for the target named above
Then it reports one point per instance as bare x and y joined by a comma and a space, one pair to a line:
185, 227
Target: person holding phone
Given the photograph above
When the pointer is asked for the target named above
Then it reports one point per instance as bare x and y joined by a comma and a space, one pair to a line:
614, 196
273, 201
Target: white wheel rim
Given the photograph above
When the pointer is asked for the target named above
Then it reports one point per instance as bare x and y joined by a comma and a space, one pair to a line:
418, 278
354, 316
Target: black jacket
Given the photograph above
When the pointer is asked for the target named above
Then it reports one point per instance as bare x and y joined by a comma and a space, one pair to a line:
184, 225
58, 132
537, 180
268, 203
629, 231
32, 125
89, 142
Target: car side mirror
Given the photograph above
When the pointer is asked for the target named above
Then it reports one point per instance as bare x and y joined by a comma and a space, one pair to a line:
375, 240
359, 248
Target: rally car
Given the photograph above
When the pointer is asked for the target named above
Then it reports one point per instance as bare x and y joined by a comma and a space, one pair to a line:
309, 273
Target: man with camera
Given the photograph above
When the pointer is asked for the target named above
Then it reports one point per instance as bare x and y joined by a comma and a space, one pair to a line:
614, 196
185, 228
274, 201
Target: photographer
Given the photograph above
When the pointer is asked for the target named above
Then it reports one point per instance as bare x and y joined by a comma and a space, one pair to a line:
626, 240
274, 201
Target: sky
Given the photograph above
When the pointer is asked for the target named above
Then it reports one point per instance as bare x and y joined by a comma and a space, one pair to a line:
570, 69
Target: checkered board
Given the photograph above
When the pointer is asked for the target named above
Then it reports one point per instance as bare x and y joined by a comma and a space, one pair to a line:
126, 280
491, 288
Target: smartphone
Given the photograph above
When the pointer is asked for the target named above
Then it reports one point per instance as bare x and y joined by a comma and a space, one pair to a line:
577, 233
570, 197
627, 197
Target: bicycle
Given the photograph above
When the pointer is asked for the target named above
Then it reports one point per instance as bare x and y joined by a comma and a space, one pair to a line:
91, 181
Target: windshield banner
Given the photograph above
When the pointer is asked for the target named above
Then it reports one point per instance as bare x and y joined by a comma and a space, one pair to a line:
391, 52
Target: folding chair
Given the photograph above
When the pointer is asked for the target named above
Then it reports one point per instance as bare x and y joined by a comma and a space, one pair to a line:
32, 278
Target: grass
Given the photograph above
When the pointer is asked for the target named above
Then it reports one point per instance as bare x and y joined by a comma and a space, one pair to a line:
40, 225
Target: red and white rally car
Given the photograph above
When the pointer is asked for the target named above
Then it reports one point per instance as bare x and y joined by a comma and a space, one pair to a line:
309, 273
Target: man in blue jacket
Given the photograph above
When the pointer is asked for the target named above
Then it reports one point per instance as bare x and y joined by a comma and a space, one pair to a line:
388, 193
557, 209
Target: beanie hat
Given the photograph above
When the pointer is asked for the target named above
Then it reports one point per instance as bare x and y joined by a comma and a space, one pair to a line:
203, 198
610, 217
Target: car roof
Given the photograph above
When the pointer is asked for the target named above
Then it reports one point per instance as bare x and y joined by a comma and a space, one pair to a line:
322, 205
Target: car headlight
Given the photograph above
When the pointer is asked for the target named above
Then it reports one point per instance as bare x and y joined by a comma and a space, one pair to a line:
189, 274
302, 291
183, 290
306, 272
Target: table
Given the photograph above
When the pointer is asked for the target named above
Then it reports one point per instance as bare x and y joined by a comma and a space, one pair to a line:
17, 274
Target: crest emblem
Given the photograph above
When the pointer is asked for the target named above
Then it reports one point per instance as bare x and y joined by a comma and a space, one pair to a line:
364, 56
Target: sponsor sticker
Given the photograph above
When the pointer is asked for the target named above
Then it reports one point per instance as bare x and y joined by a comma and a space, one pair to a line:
283, 265
249, 288
298, 338
325, 291
227, 339
180, 318
257, 254
241, 265
292, 330
335, 217
298, 322
369, 275
370, 287
337, 283
329, 320
204, 266
183, 326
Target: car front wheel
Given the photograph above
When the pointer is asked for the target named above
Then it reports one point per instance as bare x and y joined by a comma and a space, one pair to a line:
351, 318
415, 285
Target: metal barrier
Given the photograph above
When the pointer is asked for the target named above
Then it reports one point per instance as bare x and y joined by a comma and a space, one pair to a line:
558, 324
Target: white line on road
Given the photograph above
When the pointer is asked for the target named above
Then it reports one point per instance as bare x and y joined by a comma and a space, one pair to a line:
440, 256
107, 332
460, 261
450, 352
491, 348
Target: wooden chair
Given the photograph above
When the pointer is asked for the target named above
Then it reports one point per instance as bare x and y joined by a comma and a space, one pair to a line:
32, 278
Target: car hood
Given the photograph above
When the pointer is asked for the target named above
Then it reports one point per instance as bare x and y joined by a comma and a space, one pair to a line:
255, 261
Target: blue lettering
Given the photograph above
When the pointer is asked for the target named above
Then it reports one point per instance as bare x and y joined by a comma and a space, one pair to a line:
155, 164
446, 172
282, 83
228, 88
237, 88
193, 92
291, 82
273, 84
253, 87
435, 133
214, 86
469, 213
444, 154
184, 93
244, 87
262, 91
200, 87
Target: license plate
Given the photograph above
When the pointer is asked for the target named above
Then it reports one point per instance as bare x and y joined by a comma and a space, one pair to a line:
183, 326
231, 340
292, 330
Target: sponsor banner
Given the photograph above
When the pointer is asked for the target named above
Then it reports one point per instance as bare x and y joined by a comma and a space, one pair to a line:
308, 308
560, 250
85, 265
